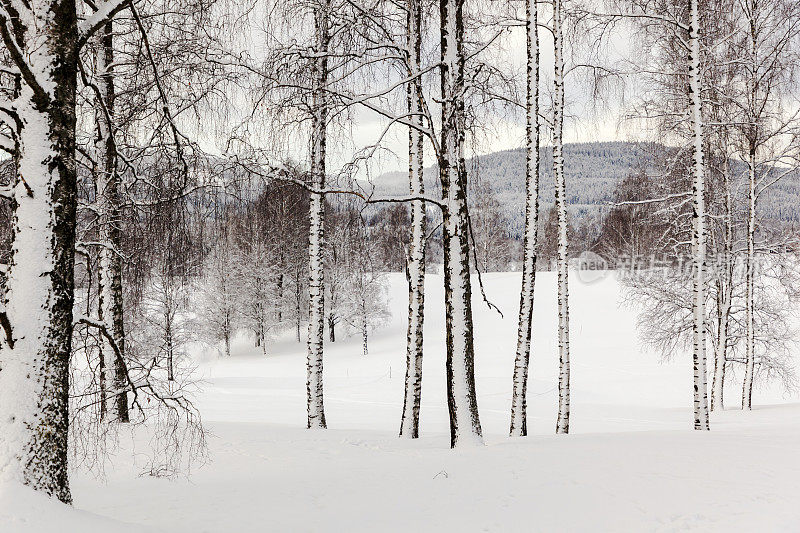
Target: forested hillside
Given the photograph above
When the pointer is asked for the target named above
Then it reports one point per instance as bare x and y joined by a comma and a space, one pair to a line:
593, 171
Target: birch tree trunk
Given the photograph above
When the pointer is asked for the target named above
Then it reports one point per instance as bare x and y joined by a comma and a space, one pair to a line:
168, 337
409, 423
562, 424
34, 361
364, 326
108, 205
519, 426
279, 289
698, 225
755, 111
724, 297
747, 384
465, 426
316, 277
298, 297
227, 332
331, 327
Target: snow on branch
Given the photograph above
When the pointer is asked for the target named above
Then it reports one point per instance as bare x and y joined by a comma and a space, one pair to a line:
40, 89
9, 146
103, 12
402, 199
656, 17
651, 200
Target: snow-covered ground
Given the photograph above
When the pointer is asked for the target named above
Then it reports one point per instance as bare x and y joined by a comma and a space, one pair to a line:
631, 462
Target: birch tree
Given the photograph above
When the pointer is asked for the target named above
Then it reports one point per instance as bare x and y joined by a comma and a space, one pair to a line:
108, 184
768, 52
562, 425
465, 427
721, 71
698, 222
493, 249
220, 293
363, 294
316, 281
135, 163
678, 74
43, 41
299, 79
723, 278
662, 291
519, 425
415, 262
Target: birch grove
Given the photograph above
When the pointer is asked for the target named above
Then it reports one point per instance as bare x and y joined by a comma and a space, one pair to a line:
193, 180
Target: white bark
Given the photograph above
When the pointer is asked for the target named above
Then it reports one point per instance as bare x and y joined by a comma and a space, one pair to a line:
724, 296
114, 401
316, 281
747, 384
562, 424
755, 112
409, 423
519, 426
364, 327
298, 300
465, 427
170, 345
698, 225
40, 288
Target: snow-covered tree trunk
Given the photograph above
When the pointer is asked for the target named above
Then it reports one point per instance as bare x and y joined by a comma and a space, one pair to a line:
519, 426
316, 277
108, 206
465, 426
409, 423
698, 225
562, 424
747, 384
42, 41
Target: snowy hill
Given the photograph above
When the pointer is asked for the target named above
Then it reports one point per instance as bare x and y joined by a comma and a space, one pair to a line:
592, 171
631, 464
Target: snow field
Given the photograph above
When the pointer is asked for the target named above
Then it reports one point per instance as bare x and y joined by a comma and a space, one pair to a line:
631, 462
